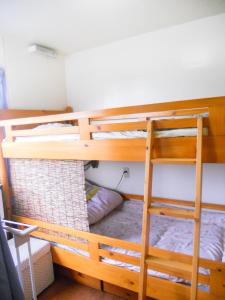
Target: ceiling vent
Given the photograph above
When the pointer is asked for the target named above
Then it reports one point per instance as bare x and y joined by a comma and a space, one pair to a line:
42, 50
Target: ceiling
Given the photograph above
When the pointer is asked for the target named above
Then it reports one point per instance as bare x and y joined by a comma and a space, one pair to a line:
74, 25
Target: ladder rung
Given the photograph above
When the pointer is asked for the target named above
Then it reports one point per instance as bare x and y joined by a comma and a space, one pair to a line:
177, 161
172, 212
166, 265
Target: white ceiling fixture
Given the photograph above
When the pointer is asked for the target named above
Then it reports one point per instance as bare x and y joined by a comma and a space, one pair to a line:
74, 25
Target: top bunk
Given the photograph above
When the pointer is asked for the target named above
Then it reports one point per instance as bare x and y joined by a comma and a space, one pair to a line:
119, 134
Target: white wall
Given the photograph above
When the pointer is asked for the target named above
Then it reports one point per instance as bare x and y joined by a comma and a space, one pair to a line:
181, 62
33, 81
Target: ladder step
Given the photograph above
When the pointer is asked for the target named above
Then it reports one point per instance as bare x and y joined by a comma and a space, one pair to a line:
172, 212
165, 265
177, 161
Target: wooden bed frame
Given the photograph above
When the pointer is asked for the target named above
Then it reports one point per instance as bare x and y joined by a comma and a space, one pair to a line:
124, 150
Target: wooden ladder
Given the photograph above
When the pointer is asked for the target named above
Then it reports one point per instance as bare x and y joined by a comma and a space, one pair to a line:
148, 210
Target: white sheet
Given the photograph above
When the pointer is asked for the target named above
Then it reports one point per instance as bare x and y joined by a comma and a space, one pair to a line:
108, 135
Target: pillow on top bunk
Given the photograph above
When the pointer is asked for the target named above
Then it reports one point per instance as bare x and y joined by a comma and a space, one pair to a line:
100, 202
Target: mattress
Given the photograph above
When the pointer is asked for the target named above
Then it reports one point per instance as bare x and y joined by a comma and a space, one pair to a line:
166, 233
132, 134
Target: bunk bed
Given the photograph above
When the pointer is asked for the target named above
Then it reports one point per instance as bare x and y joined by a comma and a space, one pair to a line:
24, 144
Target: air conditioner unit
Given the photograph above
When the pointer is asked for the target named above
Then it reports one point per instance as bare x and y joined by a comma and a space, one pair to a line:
42, 50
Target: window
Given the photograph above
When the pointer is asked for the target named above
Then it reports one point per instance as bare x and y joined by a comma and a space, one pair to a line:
2, 89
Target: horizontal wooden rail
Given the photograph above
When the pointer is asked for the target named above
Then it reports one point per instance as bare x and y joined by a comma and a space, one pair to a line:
120, 257
175, 108
178, 123
118, 127
210, 206
60, 240
171, 270
155, 114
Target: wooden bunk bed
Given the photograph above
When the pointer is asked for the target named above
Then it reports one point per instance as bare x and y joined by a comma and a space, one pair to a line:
170, 150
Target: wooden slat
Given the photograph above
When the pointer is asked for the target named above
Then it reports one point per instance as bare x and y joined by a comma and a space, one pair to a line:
93, 248
45, 131
120, 257
132, 196
172, 212
163, 265
11, 114
210, 206
84, 129
198, 197
176, 123
118, 127
60, 240
176, 161
146, 219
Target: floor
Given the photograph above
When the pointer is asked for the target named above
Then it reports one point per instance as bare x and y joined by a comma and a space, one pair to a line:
64, 289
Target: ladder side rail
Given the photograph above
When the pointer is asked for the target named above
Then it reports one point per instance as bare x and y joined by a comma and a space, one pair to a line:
197, 220
146, 216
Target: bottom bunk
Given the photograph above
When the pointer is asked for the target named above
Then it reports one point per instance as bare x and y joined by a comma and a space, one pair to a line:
111, 252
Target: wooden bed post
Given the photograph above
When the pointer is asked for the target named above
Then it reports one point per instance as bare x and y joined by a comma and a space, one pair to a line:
4, 181
84, 129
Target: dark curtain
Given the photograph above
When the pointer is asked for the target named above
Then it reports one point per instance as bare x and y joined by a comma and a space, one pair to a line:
10, 288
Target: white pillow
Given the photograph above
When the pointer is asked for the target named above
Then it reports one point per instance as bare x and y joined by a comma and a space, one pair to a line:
101, 204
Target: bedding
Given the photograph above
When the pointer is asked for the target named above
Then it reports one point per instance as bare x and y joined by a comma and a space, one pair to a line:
167, 233
108, 135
